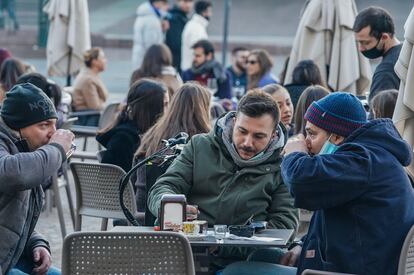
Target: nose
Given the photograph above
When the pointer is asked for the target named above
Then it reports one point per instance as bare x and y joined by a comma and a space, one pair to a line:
52, 130
248, 141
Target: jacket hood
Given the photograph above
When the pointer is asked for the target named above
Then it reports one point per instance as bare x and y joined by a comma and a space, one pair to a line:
223, 130
145, 9
127, 126
177, 11
200, 20
382, 133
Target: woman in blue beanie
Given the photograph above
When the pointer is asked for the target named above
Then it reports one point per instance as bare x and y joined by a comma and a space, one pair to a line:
350, 172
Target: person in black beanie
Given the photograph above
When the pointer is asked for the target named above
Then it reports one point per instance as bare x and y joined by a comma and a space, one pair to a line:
31, 151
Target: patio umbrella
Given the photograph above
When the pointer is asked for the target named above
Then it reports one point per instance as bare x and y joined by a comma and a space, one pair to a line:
69, 36
404, 110
325, 36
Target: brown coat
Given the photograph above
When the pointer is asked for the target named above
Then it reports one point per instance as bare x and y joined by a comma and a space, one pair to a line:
89, 92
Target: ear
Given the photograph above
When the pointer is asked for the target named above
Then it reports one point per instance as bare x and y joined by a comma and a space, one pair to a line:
336, 139
385, 36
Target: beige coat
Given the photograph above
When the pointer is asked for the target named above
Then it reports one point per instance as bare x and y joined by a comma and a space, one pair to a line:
325, 36
89, 92
404, 110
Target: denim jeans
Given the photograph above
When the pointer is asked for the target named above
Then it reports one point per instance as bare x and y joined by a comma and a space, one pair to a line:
25, 267
262, 261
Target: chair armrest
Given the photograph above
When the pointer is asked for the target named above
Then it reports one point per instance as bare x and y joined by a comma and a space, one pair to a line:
84, 113
319, 272
79, 130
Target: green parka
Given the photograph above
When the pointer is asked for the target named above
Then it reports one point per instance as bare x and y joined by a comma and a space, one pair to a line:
225, 193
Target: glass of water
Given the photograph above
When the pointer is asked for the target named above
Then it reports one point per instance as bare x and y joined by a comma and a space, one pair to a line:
212, 86
220, 231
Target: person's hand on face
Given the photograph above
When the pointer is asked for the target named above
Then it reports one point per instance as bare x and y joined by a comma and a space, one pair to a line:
42, 259
296, 144
291, 257
192, 212
63, 138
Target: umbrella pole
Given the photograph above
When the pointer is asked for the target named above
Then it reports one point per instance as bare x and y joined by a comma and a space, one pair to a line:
227, 5
68, 76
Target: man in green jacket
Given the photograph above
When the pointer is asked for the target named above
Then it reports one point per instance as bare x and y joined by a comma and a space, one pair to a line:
233, 172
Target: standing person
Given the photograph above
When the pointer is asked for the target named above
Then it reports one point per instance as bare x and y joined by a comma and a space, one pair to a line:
350, 172
237, 70
31, 152
173, 38
194, 31
10, 7
188, 112
259, 66
148, 28
146, 102
306, 73
89, 91
206, 69
157, 65
375, 32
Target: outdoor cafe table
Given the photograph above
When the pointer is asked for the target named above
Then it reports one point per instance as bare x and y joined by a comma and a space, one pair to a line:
200, 245
283, 236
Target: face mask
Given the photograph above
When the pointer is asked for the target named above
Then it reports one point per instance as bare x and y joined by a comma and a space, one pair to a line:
374, 52
328, 147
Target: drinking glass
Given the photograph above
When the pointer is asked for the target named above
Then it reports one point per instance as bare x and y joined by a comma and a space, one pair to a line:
220, 231
212, 86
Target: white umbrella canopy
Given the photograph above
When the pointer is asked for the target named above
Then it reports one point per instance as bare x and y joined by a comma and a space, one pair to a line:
404, 110
69, 36
325, 36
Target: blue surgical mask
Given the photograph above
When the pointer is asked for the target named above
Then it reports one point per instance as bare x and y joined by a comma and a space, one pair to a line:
328, 147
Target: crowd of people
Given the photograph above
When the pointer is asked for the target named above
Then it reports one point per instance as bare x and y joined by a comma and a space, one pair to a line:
273, 148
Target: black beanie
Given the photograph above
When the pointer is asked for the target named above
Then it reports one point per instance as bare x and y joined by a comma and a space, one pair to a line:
25, 105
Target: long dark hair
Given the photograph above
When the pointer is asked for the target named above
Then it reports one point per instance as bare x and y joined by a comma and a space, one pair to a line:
11, 69
145, 104
156, 57
309, 95
383, 103
265, 63
50, 88
189, 111
306, 72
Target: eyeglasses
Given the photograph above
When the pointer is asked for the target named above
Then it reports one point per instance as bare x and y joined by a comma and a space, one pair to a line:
251, 62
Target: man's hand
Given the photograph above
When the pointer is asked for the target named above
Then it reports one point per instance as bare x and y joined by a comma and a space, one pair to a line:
291, 257
63, 138
165, 25
296, 144
42, 259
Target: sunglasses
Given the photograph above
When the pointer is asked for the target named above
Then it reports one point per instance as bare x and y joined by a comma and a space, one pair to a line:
251, 62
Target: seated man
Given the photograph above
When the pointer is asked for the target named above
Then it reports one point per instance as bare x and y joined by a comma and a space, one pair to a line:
351, 173
233, 172
31, 151
206, 69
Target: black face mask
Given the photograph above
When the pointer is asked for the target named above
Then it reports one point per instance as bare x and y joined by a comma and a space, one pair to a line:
374, 52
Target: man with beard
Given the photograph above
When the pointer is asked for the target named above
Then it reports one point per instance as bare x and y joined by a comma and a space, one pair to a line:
206, 69
238, 70
375, 33
233, 172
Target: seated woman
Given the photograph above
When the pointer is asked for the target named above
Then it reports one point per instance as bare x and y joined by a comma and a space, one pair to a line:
259, 66
189, 112
89, 92
11, 69
309, 95
282, 97
383, 103
305, 74
146, 102
157, 64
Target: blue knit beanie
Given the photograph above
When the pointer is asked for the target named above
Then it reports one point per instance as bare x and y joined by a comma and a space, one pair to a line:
339, 113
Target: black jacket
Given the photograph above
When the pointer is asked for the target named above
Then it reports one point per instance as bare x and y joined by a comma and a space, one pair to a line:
177, 20
120, 142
